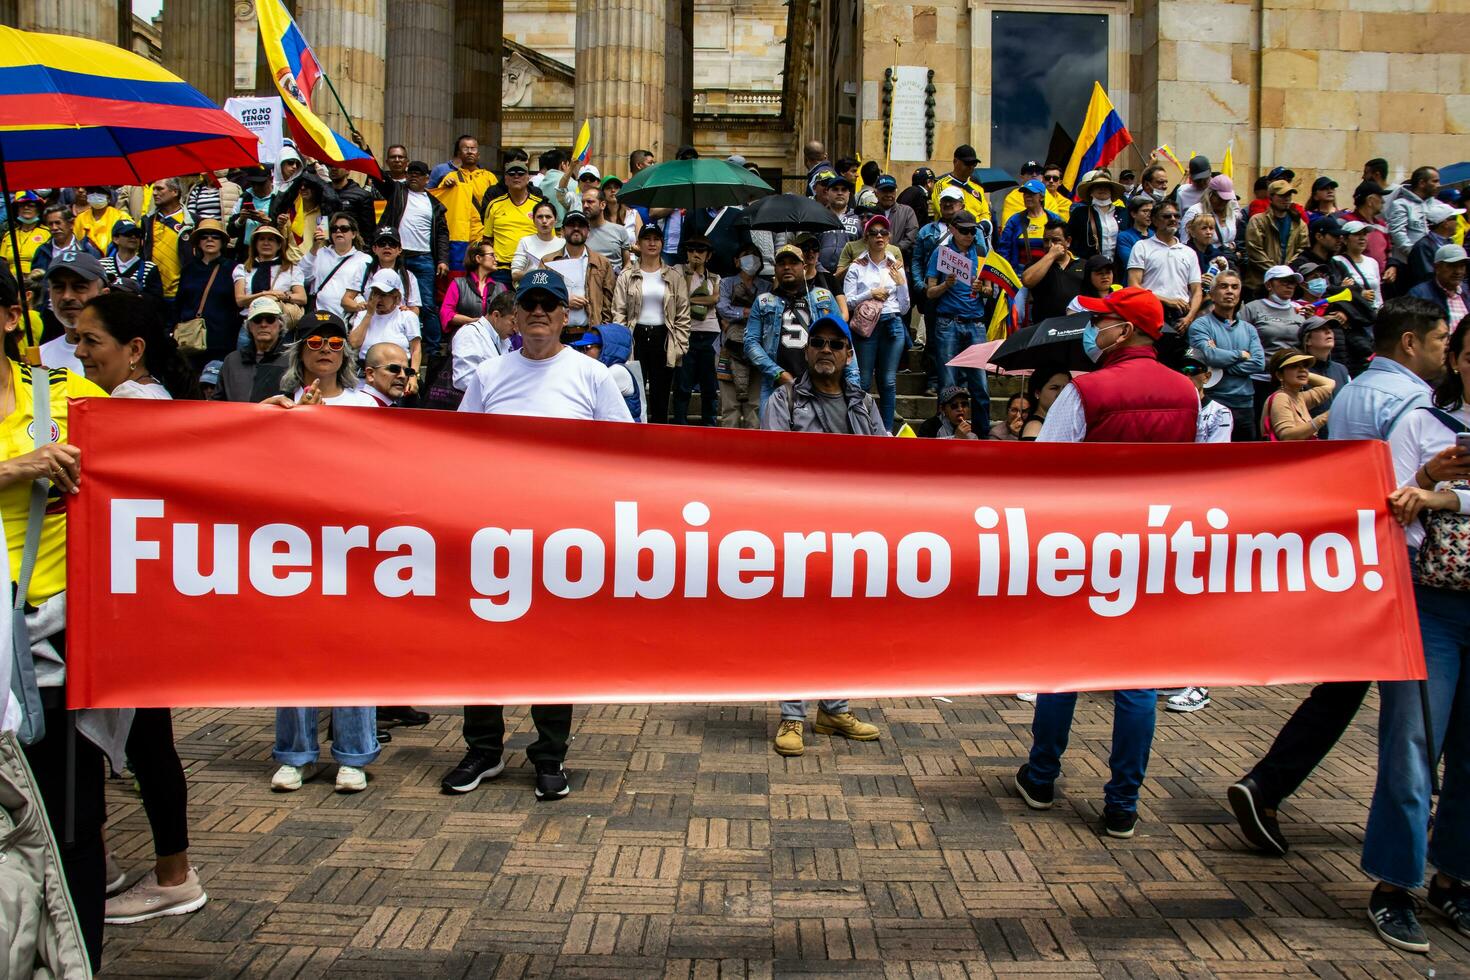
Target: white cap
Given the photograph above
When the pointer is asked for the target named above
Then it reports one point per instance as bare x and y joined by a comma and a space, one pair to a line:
589, 171
1282, 272
951, 193
385, 281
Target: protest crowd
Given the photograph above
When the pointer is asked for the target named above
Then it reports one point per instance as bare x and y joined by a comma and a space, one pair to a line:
1211, 315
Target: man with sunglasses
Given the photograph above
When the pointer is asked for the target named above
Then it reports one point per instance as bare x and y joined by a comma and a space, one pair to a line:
1130, 398
546, 379
385, 375
823, 400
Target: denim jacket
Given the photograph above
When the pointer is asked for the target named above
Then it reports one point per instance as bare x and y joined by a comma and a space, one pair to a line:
763, 332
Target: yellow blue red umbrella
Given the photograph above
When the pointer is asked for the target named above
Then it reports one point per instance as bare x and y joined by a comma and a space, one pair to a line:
74, 112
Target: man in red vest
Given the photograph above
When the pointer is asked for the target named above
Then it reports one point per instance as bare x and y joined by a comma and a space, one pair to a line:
1130, 398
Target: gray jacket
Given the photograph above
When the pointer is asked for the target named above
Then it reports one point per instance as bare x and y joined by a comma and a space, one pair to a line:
793, 408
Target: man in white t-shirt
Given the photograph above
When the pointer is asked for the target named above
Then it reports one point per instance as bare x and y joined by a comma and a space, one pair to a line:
548, 379
74, 278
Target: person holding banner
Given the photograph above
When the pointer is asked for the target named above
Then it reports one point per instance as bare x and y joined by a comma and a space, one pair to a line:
1130, 398
1409, 350
544, 378
1398, 841
127, 352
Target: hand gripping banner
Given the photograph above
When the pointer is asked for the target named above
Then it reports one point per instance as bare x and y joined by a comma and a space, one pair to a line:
245, 555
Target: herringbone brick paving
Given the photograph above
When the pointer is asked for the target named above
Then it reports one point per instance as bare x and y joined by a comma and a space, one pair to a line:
689, 849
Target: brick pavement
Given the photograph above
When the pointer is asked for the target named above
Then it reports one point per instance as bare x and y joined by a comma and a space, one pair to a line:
690, 850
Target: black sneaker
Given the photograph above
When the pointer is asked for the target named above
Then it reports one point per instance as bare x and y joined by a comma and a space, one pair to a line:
1453, 903
551, 781
1038, 796
1392, 915
1117, 822
402, 715
1257, 821
475, 766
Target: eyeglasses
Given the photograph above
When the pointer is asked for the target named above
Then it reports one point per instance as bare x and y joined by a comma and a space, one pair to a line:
333, 344
393, 369
341, 229
531, 304
836, 344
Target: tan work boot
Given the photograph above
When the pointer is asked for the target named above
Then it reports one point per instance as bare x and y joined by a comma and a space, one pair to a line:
845, 724
788, 738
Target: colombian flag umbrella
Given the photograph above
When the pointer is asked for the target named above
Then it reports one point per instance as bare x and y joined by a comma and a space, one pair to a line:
75, 112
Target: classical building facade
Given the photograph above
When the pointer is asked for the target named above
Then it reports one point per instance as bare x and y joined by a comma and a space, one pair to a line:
1318, 85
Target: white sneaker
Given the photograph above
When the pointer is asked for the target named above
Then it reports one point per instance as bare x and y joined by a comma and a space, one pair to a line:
351, 779
288, 779
1193, 699
1028, 697
116, 876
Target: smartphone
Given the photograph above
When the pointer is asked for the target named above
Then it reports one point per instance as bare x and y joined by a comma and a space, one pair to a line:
1462, 442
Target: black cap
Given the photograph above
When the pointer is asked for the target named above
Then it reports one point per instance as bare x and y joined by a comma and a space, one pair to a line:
1321, 183
321, 323
418, 167
965, 153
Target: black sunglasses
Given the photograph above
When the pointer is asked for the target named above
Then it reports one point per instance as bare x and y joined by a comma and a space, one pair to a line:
837, 344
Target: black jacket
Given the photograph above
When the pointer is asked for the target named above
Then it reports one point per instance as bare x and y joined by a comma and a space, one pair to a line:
247, 377
396, 195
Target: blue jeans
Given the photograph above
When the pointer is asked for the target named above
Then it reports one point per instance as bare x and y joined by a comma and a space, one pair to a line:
421, 266
953, 337
354, 736
1133, 735
882, 351
1397, 840
796, 710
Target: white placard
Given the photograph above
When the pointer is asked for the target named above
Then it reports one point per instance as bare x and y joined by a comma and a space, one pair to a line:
952, 263
263, 116
907, 141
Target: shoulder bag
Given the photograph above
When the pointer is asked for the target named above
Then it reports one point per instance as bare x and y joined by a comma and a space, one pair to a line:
1444, 557
192, 335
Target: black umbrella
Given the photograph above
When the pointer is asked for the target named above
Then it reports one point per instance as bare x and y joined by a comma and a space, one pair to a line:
789, 212
1054, 344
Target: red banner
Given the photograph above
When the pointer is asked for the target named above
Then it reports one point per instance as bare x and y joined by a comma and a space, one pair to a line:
244, 555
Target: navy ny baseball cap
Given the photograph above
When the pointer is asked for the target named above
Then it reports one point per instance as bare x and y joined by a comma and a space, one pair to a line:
545, 281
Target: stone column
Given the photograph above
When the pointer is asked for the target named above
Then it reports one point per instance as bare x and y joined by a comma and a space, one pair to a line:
81, 18
420, 46
477, 72
679, 76
620, 78
350, 39
199, 46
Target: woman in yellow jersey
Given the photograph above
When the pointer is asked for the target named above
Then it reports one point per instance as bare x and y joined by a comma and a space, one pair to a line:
82, 856
29, 232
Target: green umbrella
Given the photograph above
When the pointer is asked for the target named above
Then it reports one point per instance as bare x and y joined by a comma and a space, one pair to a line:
693, 184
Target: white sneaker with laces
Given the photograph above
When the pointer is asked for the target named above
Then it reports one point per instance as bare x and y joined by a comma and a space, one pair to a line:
351, 779
1192, 699
288, 779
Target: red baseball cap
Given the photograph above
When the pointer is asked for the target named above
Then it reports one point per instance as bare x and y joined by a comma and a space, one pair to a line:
1135, 304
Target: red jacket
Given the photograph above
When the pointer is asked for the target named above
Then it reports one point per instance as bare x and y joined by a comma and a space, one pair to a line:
1134, 398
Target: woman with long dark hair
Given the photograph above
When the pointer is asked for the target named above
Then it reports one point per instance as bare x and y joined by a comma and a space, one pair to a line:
127, 351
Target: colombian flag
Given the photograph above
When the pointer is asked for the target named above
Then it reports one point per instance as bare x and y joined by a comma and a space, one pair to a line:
1102, 138
296, 70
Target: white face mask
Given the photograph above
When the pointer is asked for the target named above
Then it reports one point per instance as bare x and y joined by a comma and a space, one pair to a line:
97, 200
750, 264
